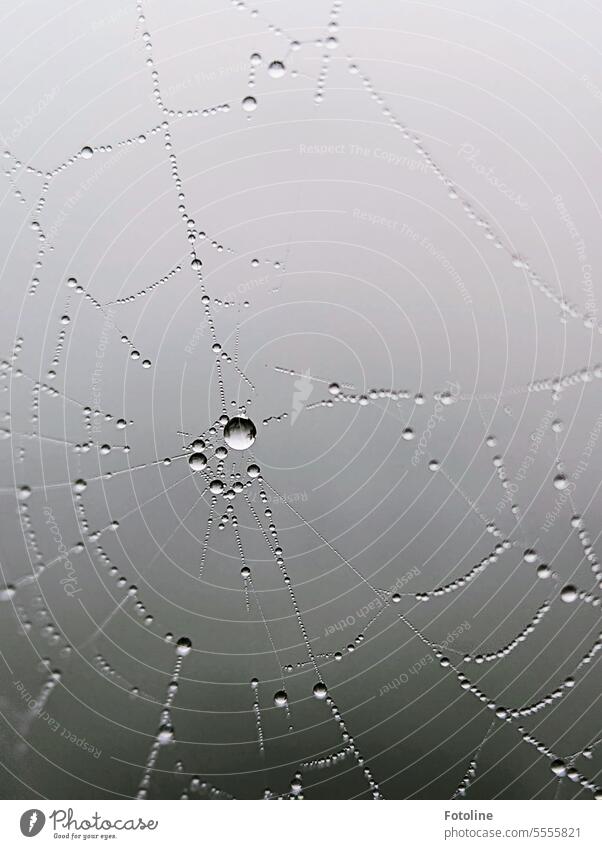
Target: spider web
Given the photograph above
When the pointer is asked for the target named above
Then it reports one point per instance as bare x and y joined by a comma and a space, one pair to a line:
197, 515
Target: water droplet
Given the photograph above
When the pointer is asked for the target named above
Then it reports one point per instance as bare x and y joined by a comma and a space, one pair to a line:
165, 735
568, 593
197, 462
280, 698
320, 691
183, 647
530, 555
249, 104
240, 433
7, 592
276, 69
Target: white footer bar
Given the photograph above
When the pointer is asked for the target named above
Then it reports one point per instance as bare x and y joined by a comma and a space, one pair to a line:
302, 824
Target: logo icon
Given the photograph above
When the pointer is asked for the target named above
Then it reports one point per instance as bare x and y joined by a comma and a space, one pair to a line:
32, 822
303, 389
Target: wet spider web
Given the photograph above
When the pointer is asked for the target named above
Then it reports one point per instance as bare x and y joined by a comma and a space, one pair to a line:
252, 536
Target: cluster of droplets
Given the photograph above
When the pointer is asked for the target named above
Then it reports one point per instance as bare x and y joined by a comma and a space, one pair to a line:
329, 42
467, 779
357, 641
72, 283
559, 766
39, 617
38, 387
278, 555
200, 788
103, 665
327, 761
257, 714
101, 555
567, 309
166, 734
340, 393
12, 172
65, 321
352, 746
588, 549
24, 494
46, 690
141, 293
172, 113
219, 302
460, 583
364, 399
557, 384
280, 418
488, 657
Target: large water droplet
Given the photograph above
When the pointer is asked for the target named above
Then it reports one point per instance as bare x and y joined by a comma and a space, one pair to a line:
183, 647
320, 691
165, 735
197, 462
280, 698
240, 433
276, 69
7, 592
568, 593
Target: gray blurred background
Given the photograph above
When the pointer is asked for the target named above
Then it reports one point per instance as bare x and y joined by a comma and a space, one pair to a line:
369, 274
